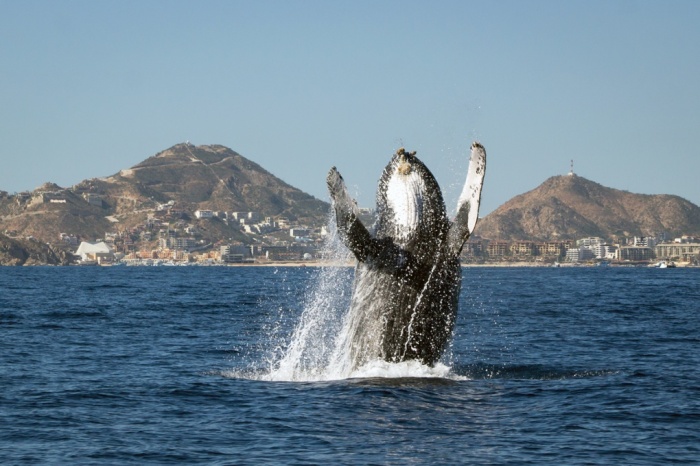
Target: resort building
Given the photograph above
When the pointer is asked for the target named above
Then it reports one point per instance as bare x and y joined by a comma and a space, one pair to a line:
497, 248
678, 251
635, 253
523, 248
552, 249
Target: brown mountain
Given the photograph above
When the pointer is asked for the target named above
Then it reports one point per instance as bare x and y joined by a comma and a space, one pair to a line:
217, 178
188, 177
572, 207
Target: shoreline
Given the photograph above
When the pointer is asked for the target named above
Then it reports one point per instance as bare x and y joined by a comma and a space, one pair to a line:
318, 264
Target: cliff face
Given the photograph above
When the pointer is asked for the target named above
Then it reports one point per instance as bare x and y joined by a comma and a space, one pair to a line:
571, 207
29, 252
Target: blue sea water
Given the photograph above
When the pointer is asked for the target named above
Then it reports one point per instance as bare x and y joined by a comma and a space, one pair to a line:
174, 365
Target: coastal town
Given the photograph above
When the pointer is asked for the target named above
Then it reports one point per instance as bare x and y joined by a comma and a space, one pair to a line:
169, 210
173, 237
208, 205
167, 238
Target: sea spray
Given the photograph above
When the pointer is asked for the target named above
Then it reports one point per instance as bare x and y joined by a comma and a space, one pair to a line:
314, 340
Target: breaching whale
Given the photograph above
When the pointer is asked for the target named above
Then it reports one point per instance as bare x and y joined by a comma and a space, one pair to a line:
408, 275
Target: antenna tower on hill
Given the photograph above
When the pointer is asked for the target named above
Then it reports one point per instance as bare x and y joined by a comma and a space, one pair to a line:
571, 172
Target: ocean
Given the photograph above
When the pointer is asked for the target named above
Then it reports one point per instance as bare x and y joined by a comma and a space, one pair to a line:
194, 365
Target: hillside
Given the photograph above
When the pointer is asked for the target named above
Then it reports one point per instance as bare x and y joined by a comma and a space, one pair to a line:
188, 177
217, 178
29, 252
571, 207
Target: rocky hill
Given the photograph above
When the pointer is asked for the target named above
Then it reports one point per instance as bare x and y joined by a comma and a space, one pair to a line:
29, 252
217, 178
186, 177
571, 207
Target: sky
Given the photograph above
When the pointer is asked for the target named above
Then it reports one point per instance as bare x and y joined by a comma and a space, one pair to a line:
89, 88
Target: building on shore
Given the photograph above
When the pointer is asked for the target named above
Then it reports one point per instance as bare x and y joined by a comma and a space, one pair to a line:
684, 252
579, 254
635, 253
98, 253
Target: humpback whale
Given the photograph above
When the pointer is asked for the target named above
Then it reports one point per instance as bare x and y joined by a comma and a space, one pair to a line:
408, 275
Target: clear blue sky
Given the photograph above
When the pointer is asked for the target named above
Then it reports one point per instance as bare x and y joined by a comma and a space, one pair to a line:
91, 87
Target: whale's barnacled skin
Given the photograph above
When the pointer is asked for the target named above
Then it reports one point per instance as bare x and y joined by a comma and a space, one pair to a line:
408, 276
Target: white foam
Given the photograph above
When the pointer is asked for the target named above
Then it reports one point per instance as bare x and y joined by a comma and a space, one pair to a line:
406, 369
377, 369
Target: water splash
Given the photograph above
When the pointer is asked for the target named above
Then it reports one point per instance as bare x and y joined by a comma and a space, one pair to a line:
319, 346
315, 339
406, 369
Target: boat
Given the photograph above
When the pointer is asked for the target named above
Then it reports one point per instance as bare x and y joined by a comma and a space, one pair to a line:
87, 262
663, 265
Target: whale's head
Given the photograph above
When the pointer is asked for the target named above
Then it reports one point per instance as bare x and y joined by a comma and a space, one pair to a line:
410, 207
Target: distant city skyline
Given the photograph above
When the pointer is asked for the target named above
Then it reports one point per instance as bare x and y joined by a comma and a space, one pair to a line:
90, 88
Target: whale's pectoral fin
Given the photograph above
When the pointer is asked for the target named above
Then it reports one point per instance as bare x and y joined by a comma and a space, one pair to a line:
468, 204
350, 228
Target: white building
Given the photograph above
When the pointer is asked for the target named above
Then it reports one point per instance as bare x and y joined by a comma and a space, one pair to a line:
579, 254
590, 242
686, 239
573, 255
252, 229
204, 213
645, 241
246, 218
98, 252
609, 252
